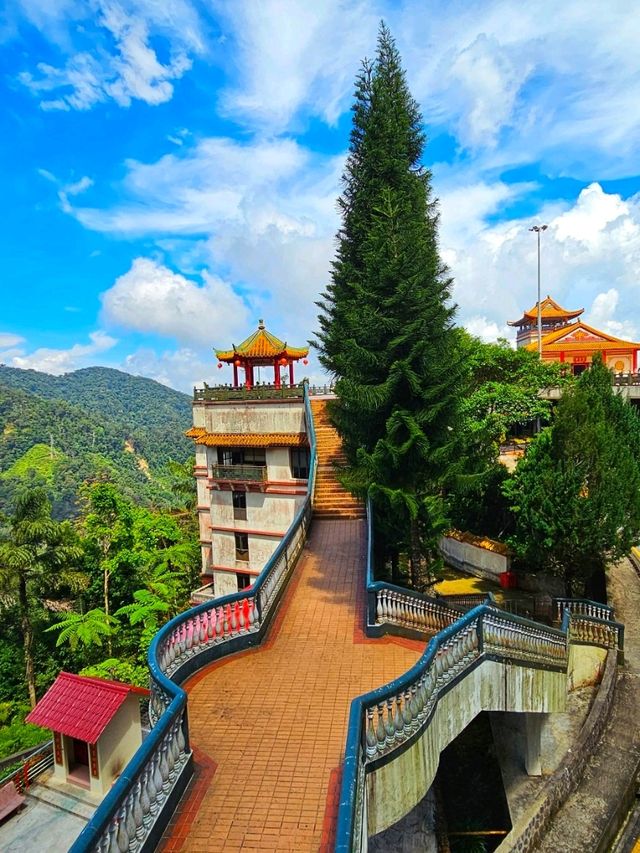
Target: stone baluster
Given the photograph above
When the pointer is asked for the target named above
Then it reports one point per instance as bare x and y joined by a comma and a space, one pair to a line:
220, 624
371, 738
398, 721
390, 728
381, 731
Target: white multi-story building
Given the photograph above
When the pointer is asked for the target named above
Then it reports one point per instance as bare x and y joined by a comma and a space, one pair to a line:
252, 463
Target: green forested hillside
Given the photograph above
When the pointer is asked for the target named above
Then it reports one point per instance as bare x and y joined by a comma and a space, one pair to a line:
96, 423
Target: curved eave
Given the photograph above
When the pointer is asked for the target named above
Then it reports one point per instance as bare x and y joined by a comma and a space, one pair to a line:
290, 353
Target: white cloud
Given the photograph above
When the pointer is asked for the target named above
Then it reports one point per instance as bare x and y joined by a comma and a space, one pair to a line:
151, 298
121, 64
511, 81
290, 53
590, 255
183, 368
7, 339
486, 330
59, 361
603, 316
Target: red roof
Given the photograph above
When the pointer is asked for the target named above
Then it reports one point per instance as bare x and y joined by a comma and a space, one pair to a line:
81, 707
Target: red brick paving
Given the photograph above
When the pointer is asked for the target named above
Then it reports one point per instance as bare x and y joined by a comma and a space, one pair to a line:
269, 725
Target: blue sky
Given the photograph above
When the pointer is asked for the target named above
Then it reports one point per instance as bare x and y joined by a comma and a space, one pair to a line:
170, 169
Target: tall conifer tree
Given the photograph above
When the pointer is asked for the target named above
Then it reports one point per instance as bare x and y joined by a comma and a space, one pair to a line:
386, 321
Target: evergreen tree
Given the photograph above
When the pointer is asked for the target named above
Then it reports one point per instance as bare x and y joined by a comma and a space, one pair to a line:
576, 495
386, 321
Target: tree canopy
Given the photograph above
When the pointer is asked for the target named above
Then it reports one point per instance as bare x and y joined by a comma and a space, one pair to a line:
386, 321
576, 494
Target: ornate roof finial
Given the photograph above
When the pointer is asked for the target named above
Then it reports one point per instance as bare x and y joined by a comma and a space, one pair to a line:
261, 324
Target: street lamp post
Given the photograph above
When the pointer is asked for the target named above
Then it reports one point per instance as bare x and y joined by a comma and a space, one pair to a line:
539, 229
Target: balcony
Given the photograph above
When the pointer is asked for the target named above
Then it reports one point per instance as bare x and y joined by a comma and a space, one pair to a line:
227, 393
254, 477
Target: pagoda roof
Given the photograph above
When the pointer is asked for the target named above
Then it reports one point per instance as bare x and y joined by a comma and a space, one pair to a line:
81, 707
242, 439
262, 346
579, 336
549, 309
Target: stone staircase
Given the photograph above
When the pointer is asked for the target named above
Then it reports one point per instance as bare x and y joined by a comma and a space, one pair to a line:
331, 500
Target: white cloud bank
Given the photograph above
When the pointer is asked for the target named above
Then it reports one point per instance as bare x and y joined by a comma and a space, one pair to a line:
57, 361
121, 65
151, 298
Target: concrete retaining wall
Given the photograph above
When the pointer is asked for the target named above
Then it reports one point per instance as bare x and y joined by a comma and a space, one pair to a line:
529, 830
396, 787
473, 559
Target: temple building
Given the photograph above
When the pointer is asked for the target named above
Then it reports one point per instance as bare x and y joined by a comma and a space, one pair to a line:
252, 460
96, 728
567, 339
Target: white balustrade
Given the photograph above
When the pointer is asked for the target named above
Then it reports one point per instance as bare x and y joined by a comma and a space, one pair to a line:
131, 824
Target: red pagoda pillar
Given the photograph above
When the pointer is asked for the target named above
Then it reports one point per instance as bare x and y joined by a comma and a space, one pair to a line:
276, 371
291, 373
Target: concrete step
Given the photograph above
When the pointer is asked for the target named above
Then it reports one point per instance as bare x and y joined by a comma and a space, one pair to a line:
63, 799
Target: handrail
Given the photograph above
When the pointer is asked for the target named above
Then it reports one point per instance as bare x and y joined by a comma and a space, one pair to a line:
29, 770
382, 721
582, 607
405, 706
396, 609
139, 805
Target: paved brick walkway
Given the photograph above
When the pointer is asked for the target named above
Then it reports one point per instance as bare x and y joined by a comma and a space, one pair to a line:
269, 725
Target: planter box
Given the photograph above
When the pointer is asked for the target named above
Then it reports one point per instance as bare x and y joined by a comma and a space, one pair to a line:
473, 559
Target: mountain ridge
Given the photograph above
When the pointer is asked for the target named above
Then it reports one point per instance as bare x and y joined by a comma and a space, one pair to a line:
103, 422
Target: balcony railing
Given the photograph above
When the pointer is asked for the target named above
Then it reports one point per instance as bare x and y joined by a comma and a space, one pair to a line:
224, 393
135, 812
250, 473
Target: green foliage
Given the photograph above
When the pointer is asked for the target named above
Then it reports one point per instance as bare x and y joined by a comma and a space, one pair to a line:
37, 555
502, 394
115, 669
15, 734
86, 629
52, 574
501, 397
39, 459
386, 320
576, 495
104, 424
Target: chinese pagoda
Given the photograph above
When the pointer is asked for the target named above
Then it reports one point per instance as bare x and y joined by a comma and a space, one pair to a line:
569, 340
262, 349
552, 315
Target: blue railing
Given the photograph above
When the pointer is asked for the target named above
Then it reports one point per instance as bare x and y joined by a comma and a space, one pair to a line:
384, 721
405, 612
138, 807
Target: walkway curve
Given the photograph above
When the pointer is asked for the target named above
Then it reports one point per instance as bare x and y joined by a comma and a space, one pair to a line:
269, 725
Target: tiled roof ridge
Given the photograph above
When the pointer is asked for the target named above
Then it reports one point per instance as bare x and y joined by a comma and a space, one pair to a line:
120, 686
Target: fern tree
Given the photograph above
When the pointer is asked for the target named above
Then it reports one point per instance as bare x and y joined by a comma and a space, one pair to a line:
386, 321
37, 557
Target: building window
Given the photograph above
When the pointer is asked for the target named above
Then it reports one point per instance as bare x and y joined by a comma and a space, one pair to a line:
239, 505
242, 547
299, 463
242, 456
244, 580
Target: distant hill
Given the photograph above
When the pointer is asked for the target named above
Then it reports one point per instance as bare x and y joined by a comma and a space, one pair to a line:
95, 422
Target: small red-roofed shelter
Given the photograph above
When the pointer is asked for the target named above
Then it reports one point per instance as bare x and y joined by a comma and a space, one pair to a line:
96, 728
262, 349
